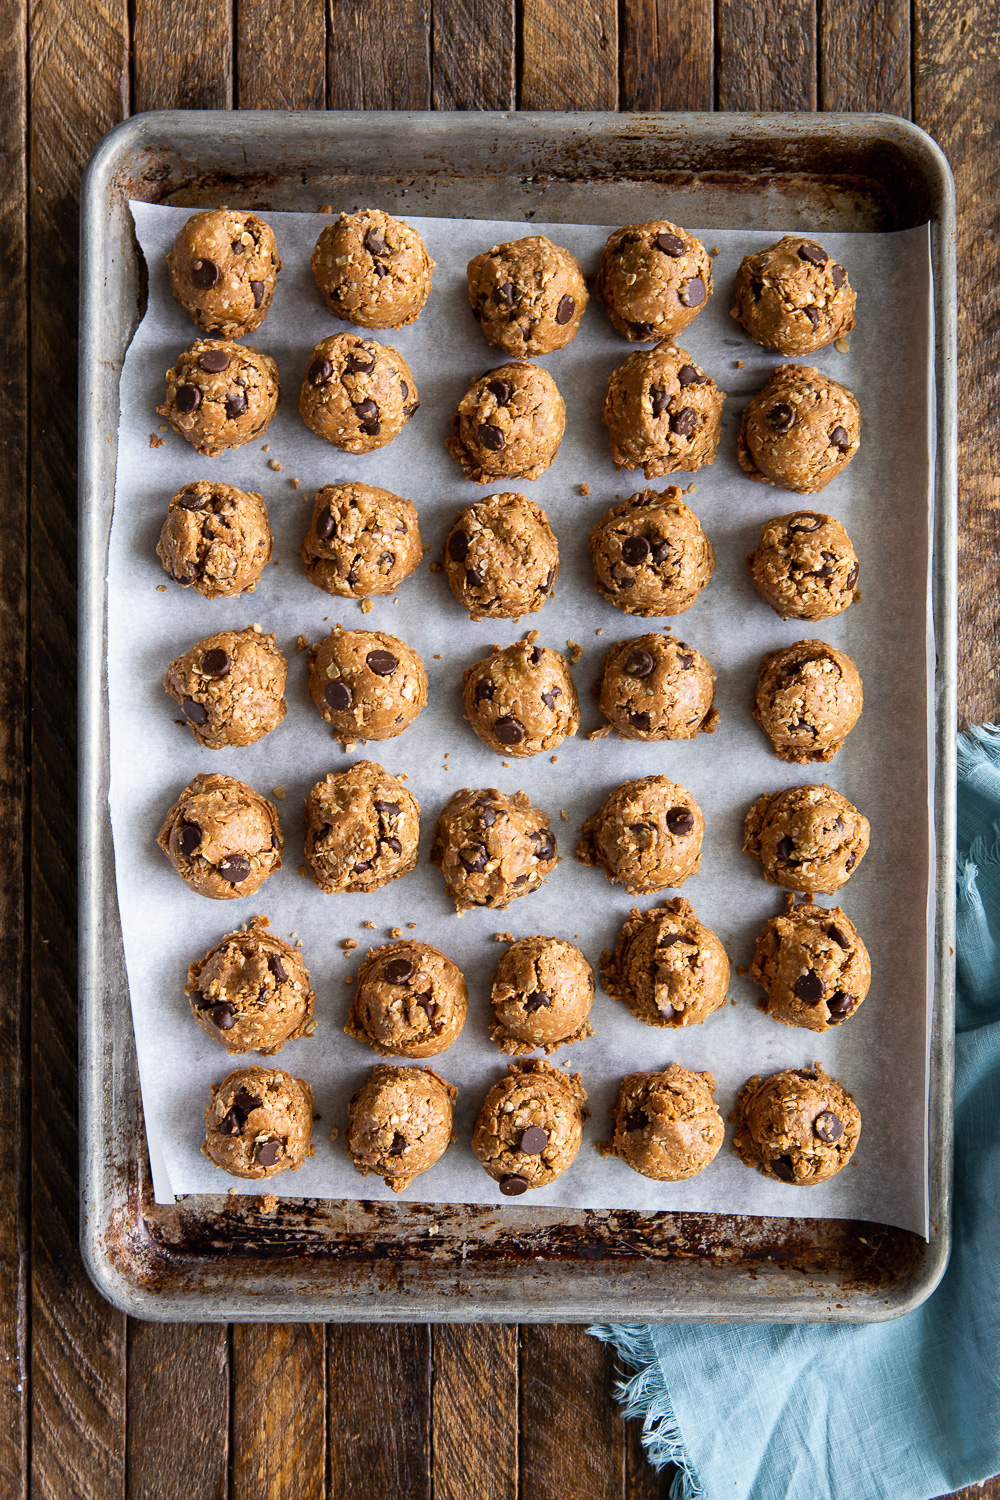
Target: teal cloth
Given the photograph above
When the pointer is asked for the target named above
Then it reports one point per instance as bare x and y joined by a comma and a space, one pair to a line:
905, 1410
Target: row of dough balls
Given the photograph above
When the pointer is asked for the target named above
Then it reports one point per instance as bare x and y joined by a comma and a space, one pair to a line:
528, 295
799, 1126
362, 831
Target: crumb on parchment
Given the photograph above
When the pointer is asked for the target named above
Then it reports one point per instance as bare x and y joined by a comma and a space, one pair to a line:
348, 943
585, 489
279, 792
155, 441
161, 588
564, 815
575, 651
503, 937
370, 925
436, 567
302, 644
600, 734
273, 463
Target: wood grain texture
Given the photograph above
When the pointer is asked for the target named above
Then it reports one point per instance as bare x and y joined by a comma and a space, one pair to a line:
472, 55
569, 54
378, 54
280, 54
572, 1437
279, 1411
668, 59
475, 1435
642, 1481
183, 54
379, 1411
956, 99
864, 55
766, 54
177, 1412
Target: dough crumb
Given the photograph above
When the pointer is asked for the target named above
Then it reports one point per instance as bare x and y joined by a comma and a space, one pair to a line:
436, 567
531, 636
161, 588
334, 1133
395, 932
278, 792
585, 489
348, 978
277, 561
294, 483
575, 652
842, 346
298, 942
273, 463
266, 448
505, 764
553, 758
311, 1025
599, 630
564, 815
411, 924
302, 644
403, 776
741, 364
257, 626
366, 606
503, 937
155, 441
600, 734
742, 970
714, 250
302, 870
437, 656
690, 489
369, 924
348, 943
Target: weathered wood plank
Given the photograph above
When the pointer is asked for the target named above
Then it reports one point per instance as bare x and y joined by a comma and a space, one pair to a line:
864, 55
667, 51
379, 1411
572, 1437
570, 54
183, 54
280, 54
378, 55
642, 1481
475, 1415
279, 1412
767, 54
177, 1412
472, 55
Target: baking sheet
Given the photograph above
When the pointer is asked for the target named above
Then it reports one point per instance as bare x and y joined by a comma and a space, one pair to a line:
883, 499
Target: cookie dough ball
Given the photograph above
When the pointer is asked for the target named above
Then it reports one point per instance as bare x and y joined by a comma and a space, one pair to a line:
654, 280
223, 838
368, 685
223, 270
808, 699
800, 431
357, 394
361, 541
662, 412
793, 297
259, 1123
668, 968
216, 539
645, 835
251, 992
807, 838
372, 269
521, 700
362, 829
528, 295
399, 1123
650, 554
656, 688
798, 1126
410, 1001
805, 567
508, 425
813, 965
667, 1125
501, 557
492, 848
221, 395
543, 989
231, 687
530, 1127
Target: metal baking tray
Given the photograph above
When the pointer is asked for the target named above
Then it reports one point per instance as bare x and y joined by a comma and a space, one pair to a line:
208, 1257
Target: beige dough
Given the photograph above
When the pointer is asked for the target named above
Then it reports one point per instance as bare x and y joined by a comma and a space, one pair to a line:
501, 557
410, 1001
223, 838
259, 1123
508, 425
808, 699
231, 687
668, 968
357, 394
793, 298
251, 992
521, 700
362, 829
492, 848
221, 395
800, 431
361, 541
813, 965
650, 555
666, 1125
542, 992
368, 685
372, 269
645, 835
807, 838
400, 1123
215, 539
223, 270
662, 412
530, 1127
654, 280
656, 688
799, 1126
528, 295
805, 567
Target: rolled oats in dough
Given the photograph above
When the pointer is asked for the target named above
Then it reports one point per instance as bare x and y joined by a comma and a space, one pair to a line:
530, 1127
492, 848
362, 541
809, 697
223, 270
410, 1001
221, 395
362, 829
508, 425
501, 557
650, 555
259, 1123
372, 269
654, 280
368, 685
813, 965
216, 539
542, 992
656, 688
667, 1125
662, 412
668, 968
521, 700
793, 297
230, 687
807, 838
223, 838
251, 992
527, 295
799, 1126
805, 567
645, 835
399, 1123
800, 431
357, 394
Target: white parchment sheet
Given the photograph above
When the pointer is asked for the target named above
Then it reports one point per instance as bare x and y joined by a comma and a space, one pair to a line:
883, 499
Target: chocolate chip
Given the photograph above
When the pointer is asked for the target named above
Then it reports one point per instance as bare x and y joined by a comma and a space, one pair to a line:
684, 421
828, 1126
780, 416
512, 1186
548, 580
814, 254
685, 661
659, 399
236, 405
223, 1016
670, 244
536, 1000
325, 524
392, 844
266, 1153
473, 857
680, 820
549, 698
487, 815
190, 838
195, 713
187, 399
839, 439
257, 287
839, 1005
834, 933
546, 845
338, 696
756, 289
838, 823
812, 313
637, 1120
639, 664
402, 529
367, 413
809, 987
214, 361
535, 655
661, 552
382, 663
397, 970
215, 663
231, 1123
386, 559
670, 938
500, 389
245, 1102
852, 576
784, 1168
485, 689
361, 867
194, 502
374, 244
521, 880
635, 550
409, 410
204, 273
427, 1005
508, 731
235, 868
852, 860
388, 809
785, 848
360, 362
458, 546
565, 310
839, 276
491, 437
277, 968
503, 295
688, 375
639, 721
642, 330
320, 371
805, 522
694, 293
534, 1140
398, 1144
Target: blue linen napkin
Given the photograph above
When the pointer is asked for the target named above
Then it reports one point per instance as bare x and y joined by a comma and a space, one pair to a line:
906, 1410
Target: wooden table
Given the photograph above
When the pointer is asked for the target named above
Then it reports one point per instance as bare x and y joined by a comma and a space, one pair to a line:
91, 1403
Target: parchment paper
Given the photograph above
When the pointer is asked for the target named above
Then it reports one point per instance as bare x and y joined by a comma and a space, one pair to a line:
883, 499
